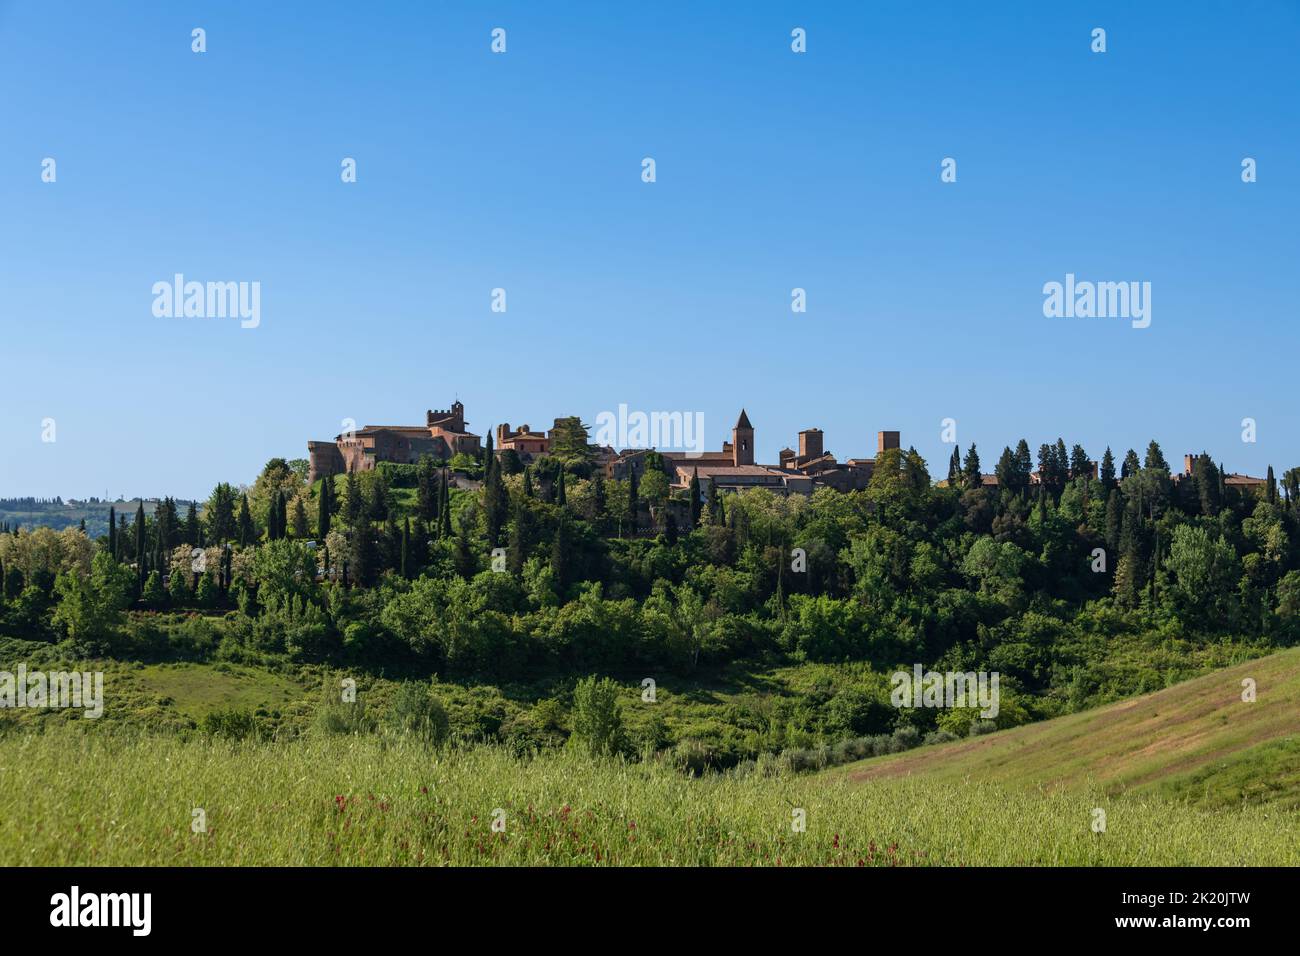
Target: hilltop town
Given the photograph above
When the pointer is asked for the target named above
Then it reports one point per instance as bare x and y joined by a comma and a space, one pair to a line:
731, 468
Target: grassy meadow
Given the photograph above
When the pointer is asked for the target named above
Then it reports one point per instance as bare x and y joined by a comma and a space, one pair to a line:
68, 798
1197, 741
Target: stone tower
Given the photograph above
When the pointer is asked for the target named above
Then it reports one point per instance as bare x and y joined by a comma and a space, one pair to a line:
742, 441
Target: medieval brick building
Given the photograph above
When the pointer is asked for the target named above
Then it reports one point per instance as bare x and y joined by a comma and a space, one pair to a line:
442, 436
733, 468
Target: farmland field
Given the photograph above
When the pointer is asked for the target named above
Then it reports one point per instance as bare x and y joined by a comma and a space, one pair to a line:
74, 799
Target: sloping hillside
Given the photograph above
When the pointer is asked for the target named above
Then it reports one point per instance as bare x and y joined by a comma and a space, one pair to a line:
1197, 741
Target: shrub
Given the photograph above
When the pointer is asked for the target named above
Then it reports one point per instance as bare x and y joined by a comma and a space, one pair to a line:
230, 724
597, 717
415, 711
905, 738
694, 756
334, 715
940, 737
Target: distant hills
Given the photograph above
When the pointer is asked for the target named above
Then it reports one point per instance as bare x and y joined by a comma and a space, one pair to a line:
59, 514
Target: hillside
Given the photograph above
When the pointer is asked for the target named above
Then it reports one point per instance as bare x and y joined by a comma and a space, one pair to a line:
58, 514
1196, 741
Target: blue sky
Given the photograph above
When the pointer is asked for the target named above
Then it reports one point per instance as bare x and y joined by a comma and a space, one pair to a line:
523, 171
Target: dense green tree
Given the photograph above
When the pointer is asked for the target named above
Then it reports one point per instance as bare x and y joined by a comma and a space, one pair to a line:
971, 469
463, 558
178, 587
426, 494
363, 555
570, 445
406, 566
220, 514
693, 490
354, 503
597, 717
323, 508
193, 530
1155, 459
444, 510
1131, 465
378, 503
247, 531
140, 544
154, 594
1108, 470
561, 557
1080, 463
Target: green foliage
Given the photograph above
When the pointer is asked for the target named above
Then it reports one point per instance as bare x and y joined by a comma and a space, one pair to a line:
413, 710
597, 717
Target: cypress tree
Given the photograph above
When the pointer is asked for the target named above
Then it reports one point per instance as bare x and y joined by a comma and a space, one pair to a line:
426, 490
419, 545
528, 482
444, 510
377, 507
139, 546
406, 549
1114, 519
363, 558
520, 539
323, 509
463, 558
300, 530
495, 503
247, 530
191, 534
353, 507
971, 470
561, 499
560, 556
954, 467
112, 531
1271, 493
694, 492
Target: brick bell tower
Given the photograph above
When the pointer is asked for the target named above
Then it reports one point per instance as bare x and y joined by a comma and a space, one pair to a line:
742, 441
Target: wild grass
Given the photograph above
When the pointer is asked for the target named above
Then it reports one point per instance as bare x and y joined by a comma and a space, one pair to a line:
70, 798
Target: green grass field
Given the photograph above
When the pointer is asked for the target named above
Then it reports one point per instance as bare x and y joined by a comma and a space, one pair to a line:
75, 799
1197, 741
1190, 775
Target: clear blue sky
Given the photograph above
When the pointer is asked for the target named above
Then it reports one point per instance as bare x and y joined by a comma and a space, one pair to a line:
522, 171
